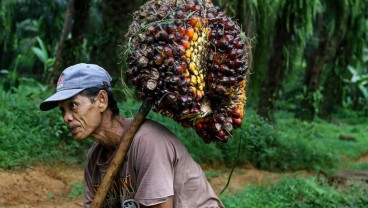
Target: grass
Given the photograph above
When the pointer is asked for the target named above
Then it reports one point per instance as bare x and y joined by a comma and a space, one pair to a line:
32, 136
321, 133
299, 192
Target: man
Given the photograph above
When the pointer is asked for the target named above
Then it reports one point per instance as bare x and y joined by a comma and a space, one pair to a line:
157, 171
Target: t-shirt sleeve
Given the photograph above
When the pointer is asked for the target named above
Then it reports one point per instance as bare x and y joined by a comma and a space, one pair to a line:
155, 158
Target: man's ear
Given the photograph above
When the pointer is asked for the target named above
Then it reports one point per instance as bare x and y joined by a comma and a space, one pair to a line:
102, 100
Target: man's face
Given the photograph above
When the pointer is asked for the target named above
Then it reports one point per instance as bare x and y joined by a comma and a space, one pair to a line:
81, 115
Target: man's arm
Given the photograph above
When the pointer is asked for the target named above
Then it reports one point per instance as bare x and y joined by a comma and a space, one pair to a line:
167, 204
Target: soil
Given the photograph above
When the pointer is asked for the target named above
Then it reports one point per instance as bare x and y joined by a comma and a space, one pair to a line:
51, 186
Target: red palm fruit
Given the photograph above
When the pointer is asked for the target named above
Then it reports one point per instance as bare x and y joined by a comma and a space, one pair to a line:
157, 59
185, 37
220, 134
229, 25
179, 51
228, 126
185, 43
179, 22
168, 51
239, 62
134, 80
172, 98
150, 52
229, 38
182, 30
220, 118
239, 52
179, 69
224, 69
190, 32
171, 38
194, 21
179, 14
165, 8
220, 89
129, 72
198, 126
239, 44
196, 8
185, 124
194, 110
223, 43
232, 55
236, 113
170, 28
150, 39
177, 36
185, 112
183, 7
169, 61
210, 16
190, 3
237, 122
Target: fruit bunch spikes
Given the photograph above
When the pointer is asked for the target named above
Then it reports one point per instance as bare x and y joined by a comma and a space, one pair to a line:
190, 61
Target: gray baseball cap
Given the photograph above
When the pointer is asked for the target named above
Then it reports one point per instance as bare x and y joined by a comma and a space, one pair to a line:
74, 80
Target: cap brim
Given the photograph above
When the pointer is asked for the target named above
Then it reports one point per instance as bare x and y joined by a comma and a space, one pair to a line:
53, 100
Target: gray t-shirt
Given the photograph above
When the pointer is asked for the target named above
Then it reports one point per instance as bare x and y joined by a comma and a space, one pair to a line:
156, 167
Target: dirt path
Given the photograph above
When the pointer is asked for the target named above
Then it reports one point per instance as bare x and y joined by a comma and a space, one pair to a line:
51, 186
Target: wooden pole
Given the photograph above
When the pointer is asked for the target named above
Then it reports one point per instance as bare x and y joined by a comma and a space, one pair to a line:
120, 155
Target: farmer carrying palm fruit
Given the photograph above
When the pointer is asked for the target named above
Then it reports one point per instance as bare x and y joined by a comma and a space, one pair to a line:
157, 171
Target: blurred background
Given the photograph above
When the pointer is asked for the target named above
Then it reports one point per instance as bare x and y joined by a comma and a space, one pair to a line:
307, 94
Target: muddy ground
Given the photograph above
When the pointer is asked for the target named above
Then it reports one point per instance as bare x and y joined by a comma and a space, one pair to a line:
51, 186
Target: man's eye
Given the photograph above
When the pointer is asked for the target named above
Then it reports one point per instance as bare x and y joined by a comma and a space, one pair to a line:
73, 106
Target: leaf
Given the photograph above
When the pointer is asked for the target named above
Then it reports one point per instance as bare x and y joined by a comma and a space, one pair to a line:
40, 54
166, 22
364, 91
43, 47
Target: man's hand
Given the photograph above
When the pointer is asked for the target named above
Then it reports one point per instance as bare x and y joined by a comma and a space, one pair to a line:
167, 204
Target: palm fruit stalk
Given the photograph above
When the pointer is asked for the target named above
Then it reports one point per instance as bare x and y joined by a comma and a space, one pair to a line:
190, 61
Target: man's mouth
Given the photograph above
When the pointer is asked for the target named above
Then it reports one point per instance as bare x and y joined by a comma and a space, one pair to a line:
73, 129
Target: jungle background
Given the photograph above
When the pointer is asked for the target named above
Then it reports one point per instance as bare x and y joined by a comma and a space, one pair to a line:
304, 138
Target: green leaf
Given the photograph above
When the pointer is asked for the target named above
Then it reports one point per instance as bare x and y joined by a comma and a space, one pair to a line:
40, 54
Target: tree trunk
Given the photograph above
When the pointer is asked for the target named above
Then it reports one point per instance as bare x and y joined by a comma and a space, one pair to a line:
333, 87
117, 16
70, 51
312, 78
276, 68
64, 34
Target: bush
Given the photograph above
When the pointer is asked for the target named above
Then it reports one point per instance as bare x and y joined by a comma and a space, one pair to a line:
29, 135
296, 192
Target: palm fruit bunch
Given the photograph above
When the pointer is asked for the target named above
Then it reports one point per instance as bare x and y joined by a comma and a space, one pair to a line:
189, 60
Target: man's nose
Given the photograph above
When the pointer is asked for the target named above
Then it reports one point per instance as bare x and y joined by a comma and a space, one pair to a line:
68, 117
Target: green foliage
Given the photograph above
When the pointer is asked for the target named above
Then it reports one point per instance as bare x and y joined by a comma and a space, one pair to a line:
43, 56
76, 190
268, 147
29, 136
357, 88
322, 137
296, 192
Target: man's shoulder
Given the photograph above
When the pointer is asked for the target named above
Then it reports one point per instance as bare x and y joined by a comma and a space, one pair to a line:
152, 128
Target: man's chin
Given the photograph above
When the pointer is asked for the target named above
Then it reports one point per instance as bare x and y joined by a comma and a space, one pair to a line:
78, 137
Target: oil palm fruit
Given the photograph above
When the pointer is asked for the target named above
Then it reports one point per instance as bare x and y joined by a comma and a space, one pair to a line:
190, 61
